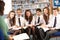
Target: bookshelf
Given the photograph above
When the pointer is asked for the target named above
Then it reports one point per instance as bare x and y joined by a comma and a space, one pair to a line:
29, 4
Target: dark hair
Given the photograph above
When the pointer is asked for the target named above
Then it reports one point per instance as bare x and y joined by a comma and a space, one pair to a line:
38, 9
47, 9
19, 9
13, 19
30, 18
46, 18
55, 9
2, 4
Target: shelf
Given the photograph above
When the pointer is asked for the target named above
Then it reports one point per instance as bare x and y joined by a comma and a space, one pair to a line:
32, 5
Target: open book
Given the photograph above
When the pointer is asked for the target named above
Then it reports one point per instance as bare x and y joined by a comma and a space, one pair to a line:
44, 28
22, 36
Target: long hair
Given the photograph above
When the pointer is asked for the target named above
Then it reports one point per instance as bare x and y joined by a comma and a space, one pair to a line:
2, 4
26, 17
46, 18
13, 19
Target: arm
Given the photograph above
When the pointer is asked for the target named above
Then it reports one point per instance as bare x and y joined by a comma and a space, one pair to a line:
4, 27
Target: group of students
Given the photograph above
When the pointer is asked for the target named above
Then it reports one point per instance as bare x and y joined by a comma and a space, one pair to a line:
41, 26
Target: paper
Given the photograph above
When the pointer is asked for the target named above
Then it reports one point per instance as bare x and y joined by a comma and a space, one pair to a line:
24, 27
16, 28
45, 29
22, 36
38, 27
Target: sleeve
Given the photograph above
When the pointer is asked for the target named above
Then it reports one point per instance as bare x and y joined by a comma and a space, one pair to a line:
33, 21
42, 20
4, 27
25, 24
7, 23
50, 23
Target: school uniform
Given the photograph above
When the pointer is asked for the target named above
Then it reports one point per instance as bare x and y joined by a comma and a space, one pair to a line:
8, 23
38, 30
29, 25
39, 19
20, 21
54, 22
10, 27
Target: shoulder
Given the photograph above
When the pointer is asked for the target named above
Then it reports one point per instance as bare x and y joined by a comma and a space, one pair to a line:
22, 18
50, 15
58, 16
34, 16
41, 16
1, 18
6, 19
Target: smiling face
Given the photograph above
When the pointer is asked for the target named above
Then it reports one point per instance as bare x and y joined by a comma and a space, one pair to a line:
45, 11
28, 14
38, 13
19, 12
12, 14
55, 12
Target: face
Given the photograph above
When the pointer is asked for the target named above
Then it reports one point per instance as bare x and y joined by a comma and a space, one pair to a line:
19, 12
12, 14
55, 12
38, 13
28, 13
45, 11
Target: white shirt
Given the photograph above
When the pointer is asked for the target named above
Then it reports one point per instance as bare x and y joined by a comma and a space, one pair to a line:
48, 20
32, 22
8, 24
41, 19
51, 21
22, 20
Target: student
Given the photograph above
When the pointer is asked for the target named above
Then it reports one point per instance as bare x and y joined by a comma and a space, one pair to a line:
20, 21
38, 22
54, 24
10, 21
29, 21
46, 15
38, 17
3, 25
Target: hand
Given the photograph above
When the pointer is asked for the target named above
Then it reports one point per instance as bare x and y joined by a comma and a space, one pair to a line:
43, 26
21, 26
29, 25
10, 38
52, 28
16, 26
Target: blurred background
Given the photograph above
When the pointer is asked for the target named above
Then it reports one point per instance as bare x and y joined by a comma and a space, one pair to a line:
30, 4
